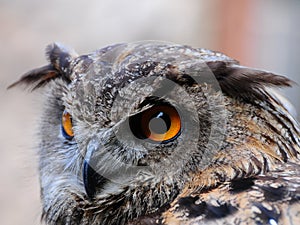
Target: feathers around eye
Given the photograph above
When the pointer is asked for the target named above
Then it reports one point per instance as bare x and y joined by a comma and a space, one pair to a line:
59, 57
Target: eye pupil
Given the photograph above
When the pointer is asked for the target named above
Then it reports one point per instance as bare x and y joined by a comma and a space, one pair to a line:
160, 123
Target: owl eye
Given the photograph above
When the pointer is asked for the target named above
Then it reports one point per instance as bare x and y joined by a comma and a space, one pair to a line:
160, 124
66, 125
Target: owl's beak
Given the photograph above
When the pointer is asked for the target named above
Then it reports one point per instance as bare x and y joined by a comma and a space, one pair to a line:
92, 180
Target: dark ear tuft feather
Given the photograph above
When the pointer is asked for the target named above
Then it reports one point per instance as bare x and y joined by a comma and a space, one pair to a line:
243, 82
37, 77
59, 58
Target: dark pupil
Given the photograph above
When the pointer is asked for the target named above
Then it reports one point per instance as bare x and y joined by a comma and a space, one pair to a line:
159, 123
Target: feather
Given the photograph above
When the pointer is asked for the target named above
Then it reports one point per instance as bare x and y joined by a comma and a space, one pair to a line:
243, 82
59, 57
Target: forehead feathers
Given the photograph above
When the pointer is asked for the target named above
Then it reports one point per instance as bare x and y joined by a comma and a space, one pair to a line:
95, 88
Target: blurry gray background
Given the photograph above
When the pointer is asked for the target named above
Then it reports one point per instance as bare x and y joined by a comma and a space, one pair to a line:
263, 34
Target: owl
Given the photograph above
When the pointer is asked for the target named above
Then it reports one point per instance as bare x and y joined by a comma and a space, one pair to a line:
161, 133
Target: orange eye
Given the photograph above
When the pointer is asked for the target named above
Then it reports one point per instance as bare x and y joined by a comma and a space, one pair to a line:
67, 127
160, 124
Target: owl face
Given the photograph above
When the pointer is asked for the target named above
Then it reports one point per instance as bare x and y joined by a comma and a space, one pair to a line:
136, 115
128, 127
125, 119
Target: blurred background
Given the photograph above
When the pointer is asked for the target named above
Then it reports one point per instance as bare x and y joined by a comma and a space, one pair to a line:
262, 34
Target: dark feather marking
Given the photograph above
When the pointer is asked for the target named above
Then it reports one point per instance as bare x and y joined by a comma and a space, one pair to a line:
203, 208
237, 186
266, 215
290, 127
150, 219
274, 194
216, 212
188, 203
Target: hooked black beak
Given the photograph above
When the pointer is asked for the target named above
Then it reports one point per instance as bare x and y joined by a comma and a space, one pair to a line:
93, 181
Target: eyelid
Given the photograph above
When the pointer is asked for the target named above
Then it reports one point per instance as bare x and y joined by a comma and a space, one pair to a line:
149, 103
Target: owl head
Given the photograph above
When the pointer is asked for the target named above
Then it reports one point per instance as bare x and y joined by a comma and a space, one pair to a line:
127, 127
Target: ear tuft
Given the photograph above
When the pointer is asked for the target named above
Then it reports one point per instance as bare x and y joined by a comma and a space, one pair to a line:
37, 77
59, 57
244, 82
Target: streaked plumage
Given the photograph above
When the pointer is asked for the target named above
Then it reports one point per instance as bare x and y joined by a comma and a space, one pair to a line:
234, 161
